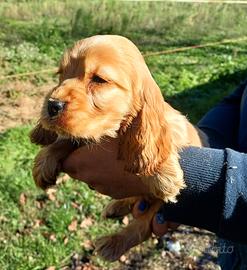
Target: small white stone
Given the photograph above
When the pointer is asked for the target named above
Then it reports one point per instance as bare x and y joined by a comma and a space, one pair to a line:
174, 246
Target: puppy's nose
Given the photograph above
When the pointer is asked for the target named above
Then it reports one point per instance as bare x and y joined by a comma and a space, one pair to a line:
55, 107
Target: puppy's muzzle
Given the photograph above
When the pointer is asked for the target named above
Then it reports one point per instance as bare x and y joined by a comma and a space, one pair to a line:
55, 107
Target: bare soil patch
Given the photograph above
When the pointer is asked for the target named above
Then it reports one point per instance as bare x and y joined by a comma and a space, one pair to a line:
21, 102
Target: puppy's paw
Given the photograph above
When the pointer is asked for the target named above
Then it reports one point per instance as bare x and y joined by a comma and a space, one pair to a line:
46, 169
118, 208
42, 136
111, 247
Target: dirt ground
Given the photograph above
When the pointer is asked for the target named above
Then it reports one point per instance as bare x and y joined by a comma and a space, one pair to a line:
198, 251
21, 102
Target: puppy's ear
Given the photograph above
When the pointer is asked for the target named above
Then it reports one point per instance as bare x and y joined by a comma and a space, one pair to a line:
148, 148
42, 136
146, 143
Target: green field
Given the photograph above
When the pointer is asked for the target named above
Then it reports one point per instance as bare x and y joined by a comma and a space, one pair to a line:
39, 230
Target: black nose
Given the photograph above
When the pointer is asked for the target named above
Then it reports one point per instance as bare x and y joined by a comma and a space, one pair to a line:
55, 107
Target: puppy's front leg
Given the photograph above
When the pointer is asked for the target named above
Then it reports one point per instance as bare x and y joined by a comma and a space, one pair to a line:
119, 208
47, 164
41, 136
112, 247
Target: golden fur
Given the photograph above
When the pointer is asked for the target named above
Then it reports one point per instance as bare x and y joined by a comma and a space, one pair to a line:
109, 92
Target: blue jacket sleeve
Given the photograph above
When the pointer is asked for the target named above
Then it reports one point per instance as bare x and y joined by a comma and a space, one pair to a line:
221, 123
216, 194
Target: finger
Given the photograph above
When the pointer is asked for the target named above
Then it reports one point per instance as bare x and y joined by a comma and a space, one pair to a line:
159, 224
140, 208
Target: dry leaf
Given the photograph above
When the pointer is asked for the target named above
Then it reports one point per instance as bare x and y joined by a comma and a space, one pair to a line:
51, 268
123, 258
88, 266
37, 223
73, 226
51, 193
65, 240
125, 220
163, 254
46, 234
86, 223
74, 205
3, 219
87, 244
62, 179
22, 199
65, 268
155, 241
52, 237
39, 204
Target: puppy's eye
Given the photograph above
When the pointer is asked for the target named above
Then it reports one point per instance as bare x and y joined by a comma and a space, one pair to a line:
98, 79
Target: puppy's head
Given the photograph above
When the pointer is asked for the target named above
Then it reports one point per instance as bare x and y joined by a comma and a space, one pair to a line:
106, 89
99, 88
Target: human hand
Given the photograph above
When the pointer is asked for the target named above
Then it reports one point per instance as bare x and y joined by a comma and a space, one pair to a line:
98, 166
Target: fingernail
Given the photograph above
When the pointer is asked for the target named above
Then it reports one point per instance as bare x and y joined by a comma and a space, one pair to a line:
160, 219
143, 205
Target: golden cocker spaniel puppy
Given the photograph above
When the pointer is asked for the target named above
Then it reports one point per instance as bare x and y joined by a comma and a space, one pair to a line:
105, 90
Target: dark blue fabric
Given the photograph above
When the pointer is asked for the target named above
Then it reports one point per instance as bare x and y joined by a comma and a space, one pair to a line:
215, 197
242, 135
221, 123
233, 224
229, 131
219, 202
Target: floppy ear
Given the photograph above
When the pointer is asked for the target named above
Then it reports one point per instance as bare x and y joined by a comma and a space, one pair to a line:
42, 136
148, 148
146, 143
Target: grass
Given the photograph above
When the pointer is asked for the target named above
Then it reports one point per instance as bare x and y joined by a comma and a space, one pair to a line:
34, 227
38, 31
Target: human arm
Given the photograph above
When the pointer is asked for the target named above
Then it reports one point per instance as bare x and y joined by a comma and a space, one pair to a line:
215, 197
216, 193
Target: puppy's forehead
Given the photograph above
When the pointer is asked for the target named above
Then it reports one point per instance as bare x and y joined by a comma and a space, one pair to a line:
109, 62
114, 42
104, 54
